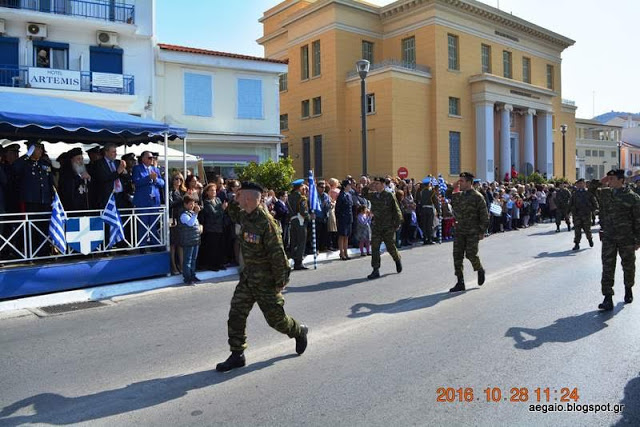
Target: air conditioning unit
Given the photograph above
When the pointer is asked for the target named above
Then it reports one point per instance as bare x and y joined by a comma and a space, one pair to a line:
36, 30
2, 26
107, 38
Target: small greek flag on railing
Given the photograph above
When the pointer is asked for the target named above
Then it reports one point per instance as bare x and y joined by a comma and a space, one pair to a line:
314, 200
56, 225
111, 216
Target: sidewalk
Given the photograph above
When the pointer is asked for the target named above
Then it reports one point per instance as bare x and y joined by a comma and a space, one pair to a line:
21, 307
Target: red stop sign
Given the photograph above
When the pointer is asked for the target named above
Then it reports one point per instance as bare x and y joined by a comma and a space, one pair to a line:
403, 172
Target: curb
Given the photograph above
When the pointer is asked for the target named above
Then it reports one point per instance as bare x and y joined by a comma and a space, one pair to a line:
19, 307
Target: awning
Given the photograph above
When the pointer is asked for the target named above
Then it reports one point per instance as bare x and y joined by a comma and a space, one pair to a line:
24, 116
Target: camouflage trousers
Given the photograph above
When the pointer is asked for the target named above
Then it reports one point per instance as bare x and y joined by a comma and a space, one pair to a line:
298, 238
610, 250
388, 236
562, 214
580, 223
271, 304
466, 244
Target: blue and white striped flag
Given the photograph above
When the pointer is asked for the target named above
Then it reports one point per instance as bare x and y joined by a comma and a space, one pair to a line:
314, 199
111, 216
56, 225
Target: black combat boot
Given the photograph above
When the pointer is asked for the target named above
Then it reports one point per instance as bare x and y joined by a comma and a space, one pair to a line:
374, 274
301, 341
568, 227
480, 277
399, 266
459, 287
628, 295
236, 360
576, 247
607, 304
590, 242
299, 266
557, 228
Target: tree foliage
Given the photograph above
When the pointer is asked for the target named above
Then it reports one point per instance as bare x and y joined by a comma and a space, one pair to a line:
272, 175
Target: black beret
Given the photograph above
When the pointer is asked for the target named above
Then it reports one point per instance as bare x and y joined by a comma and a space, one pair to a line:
74, 152
467, 175
618, 173
248, 185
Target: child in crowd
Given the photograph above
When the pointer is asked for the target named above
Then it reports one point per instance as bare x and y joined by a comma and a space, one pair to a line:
363, 230
189, 237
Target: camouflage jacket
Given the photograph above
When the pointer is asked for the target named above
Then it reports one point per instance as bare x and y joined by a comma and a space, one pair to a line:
563, 196
582, 203
385, 209
298, 205
261, 245
620, 215
470, 210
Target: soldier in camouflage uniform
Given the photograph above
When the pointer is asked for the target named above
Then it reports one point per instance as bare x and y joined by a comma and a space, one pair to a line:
582, 204
262, 277
387, 217
619, 233
563, 195
472, 218
299, 213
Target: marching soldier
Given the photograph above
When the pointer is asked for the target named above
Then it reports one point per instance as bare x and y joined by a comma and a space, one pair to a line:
429, 205
582, 204
263, 276
472, 218
563, 195
619, 233
387, 217
299, 213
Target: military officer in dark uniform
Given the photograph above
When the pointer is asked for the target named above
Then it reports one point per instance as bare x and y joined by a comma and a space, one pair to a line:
125, 199
32, 173
428, 200
299, 214
74, 182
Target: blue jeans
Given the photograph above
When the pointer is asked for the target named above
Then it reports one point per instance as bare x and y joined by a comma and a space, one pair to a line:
190, 255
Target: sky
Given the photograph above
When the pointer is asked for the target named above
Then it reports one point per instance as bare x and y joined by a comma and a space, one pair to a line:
599, 72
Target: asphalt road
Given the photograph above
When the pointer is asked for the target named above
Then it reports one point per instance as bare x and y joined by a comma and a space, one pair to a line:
379, 351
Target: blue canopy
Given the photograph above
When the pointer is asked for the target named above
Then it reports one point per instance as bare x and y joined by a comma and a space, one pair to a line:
24, 116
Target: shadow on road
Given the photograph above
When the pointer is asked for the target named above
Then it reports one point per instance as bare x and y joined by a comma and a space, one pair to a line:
567, 253
51, 408
566, 329
403, 305
631, 402
325, 286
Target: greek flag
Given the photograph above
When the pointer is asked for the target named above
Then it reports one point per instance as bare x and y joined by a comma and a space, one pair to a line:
314, 200
56, 225
111, 216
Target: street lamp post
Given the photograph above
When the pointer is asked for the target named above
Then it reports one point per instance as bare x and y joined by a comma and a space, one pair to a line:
563, 129
620, 154
362, 66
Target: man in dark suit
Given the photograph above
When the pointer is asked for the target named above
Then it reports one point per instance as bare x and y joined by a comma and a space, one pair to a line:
148, 185
106, 178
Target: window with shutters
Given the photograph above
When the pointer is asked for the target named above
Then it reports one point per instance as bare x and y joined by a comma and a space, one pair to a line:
305, 108
409, 51
454, 153
367, 51
284, 82
486, 58
526, 70
198, 95
250, 99
452, 42
506, 64
304, 62
284, 121
316, 65
317, 106
306, 154
550, 77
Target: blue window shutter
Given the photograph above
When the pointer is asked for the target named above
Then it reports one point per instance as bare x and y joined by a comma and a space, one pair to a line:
198, 95
250, 99
105, 60
8, 59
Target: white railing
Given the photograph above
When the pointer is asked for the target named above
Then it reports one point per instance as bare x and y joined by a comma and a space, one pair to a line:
24, 237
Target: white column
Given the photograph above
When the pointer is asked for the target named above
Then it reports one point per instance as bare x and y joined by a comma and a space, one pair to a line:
529, 156
545, 144
505, 141
627, 158
485, 158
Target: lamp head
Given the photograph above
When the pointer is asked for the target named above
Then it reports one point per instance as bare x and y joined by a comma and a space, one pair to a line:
563, 128
362, 66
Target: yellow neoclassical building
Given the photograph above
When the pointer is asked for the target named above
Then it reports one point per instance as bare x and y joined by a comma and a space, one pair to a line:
454, 85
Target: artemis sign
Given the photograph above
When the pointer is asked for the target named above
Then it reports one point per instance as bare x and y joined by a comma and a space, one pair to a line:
47, 78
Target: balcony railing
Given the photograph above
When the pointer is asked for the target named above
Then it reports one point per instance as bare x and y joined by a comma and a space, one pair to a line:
393, 63
108, 10
19, 77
